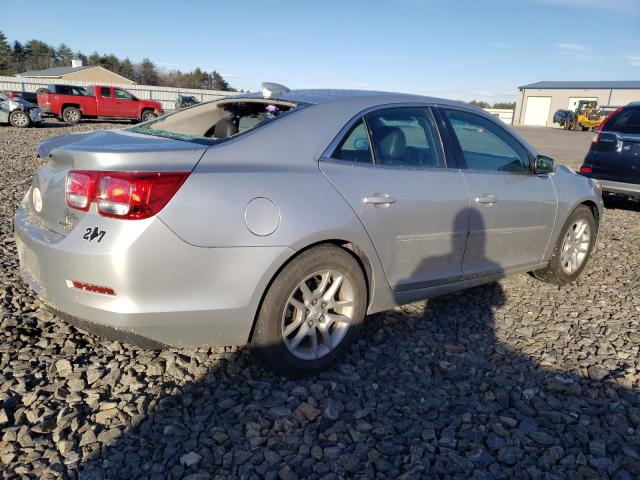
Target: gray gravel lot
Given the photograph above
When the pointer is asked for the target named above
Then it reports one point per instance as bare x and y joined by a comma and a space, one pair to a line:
517, 379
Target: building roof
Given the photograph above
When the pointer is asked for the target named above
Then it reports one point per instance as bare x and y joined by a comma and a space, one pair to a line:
54, 72
606, 85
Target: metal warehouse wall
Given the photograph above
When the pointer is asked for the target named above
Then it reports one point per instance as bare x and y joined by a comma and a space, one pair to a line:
165, 95
560, 100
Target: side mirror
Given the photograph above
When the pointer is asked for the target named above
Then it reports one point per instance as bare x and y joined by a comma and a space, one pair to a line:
543, 165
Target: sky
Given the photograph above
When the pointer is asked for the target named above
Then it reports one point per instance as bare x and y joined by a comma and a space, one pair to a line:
463, 50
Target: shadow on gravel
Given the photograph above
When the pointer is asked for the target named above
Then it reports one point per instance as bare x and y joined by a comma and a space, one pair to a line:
426, 392
619, 202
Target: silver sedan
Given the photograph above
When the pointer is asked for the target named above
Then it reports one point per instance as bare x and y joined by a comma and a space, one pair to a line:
282, 219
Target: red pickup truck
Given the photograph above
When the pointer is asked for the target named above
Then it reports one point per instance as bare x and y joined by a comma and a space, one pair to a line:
72, 104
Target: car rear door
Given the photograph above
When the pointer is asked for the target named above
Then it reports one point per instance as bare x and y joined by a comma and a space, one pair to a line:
390, 167
105, 103
513, 210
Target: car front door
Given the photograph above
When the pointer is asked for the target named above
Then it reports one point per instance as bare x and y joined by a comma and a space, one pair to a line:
125, 105
391, 168
512, 209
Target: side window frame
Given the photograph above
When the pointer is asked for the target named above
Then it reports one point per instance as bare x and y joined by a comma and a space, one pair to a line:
457, 148
342, 137
450, 158
102, 94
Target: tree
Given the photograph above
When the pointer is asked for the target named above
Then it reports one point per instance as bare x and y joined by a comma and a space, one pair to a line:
19, 57
94, 59
479, 103
505, 105
39, 55
64, 55
6, 57
147, 74
110, 62
82, 57
126, 68
218, 82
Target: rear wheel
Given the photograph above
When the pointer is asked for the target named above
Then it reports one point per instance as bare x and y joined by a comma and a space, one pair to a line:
572, 249
148, 115
20, 119
72, 115
311, 313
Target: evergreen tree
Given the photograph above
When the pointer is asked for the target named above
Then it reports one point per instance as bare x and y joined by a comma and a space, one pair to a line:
64, 55
126, 69
147, 73
94, 59
6, 57
39, 55
82, 57
19, 57
218, 82
198, 78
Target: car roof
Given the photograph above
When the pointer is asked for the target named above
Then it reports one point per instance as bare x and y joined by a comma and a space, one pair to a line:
320, 96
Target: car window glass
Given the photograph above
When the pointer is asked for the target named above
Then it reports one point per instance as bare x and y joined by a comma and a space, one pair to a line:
355, 147
119, 93
487, 146
406, 137
105, 92
625, 121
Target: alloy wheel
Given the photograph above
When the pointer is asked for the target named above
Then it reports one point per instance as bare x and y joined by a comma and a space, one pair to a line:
20, 119
318, 314
575, 247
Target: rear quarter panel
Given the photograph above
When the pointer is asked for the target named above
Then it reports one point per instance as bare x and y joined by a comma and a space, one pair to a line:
278, 162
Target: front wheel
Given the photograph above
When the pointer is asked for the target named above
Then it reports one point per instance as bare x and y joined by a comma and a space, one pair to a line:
572, 250
148, 115
311, 313
20, 119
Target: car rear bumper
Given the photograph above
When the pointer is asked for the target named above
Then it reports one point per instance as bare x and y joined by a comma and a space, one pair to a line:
621, 188
166, 291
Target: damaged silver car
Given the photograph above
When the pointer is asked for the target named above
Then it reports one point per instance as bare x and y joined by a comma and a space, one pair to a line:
18, 112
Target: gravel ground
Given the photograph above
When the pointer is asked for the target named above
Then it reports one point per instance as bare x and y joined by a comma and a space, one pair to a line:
516, 379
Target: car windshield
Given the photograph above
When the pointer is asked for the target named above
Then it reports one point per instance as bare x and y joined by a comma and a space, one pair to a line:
215, 121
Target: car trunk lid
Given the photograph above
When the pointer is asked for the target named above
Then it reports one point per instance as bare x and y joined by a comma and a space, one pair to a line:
112, 150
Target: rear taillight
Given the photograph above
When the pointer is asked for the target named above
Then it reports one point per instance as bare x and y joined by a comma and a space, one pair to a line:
78, 189
128, 195
585, 169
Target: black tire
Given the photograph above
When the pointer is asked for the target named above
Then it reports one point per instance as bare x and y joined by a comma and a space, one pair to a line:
71, 115
585, 129
267, 341
554, 273
19, 119
147, 115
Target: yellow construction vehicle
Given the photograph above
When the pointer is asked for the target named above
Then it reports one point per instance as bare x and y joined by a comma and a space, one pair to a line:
587, 116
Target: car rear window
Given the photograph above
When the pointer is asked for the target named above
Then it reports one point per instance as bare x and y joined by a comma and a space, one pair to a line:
625, 121
216, 121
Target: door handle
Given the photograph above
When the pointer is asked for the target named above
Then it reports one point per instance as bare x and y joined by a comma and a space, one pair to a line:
379, 199
486, 198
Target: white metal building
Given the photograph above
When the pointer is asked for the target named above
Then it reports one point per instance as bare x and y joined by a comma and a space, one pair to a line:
537, 102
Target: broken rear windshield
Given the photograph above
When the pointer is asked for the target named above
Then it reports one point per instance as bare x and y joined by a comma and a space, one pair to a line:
211, 122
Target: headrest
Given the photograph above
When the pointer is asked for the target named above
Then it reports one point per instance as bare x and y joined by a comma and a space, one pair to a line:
225, 128
392, 144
